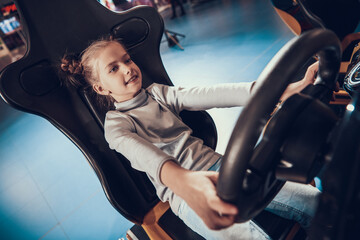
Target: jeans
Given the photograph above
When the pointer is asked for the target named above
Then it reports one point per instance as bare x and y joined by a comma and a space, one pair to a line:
295, 201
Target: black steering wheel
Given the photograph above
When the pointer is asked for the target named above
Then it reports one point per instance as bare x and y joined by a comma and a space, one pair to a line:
248, 174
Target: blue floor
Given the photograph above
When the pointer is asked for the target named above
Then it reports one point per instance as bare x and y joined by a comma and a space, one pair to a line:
47, 188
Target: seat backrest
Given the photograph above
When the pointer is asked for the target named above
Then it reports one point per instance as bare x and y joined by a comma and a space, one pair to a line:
340, 16
32, 84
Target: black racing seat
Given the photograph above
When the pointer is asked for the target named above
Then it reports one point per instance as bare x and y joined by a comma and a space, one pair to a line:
32, 84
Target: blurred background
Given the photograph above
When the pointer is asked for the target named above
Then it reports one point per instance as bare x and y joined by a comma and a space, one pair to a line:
47, 188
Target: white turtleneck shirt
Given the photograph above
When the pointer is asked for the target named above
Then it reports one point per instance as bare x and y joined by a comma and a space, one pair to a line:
148, 131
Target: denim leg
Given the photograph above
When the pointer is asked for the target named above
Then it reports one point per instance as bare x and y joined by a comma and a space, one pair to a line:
247, 231
297, 202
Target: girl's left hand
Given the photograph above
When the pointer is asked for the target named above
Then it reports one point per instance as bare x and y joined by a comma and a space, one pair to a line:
297, 87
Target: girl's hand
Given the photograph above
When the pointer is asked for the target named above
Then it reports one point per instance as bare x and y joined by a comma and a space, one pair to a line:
200, 195
297, 87
197, 189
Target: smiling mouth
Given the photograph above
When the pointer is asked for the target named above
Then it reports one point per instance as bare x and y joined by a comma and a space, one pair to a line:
132, 79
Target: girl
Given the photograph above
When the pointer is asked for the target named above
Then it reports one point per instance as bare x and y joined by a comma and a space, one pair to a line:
146, 128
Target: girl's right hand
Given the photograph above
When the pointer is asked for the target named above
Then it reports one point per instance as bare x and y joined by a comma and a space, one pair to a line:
201, 196
197, 189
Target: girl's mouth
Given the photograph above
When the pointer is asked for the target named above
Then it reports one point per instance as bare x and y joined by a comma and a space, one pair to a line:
132, 79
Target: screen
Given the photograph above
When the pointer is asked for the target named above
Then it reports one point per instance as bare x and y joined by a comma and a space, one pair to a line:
9, 25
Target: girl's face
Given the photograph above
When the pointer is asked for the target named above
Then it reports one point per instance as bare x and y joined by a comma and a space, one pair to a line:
119, 76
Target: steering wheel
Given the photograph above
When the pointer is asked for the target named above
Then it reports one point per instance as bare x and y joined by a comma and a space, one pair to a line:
248, 174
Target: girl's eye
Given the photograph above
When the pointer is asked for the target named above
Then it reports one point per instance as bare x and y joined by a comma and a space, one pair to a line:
113, 69
128, 60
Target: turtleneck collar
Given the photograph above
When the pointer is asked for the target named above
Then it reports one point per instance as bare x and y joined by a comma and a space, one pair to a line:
135, 102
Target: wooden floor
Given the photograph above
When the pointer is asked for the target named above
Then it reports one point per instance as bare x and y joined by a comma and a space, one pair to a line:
47, 188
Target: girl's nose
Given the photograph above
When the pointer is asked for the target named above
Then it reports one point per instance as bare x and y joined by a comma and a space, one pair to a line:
126, 69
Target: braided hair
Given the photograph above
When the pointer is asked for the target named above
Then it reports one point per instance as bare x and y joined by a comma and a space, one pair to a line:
81, 71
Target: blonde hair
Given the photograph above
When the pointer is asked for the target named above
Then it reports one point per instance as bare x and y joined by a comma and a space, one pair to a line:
81, 70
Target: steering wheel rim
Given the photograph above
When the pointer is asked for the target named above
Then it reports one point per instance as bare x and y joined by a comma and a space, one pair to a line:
276, 76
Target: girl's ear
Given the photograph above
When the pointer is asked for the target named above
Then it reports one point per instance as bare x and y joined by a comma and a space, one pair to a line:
100, 90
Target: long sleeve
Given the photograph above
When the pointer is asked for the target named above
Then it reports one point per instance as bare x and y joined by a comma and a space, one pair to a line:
122, 137
149, 132
203, 98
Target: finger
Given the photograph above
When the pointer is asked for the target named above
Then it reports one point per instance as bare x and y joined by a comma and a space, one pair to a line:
311, 72
217, 222
314, 66
213, 176
216, 203
222, 207
224, 222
